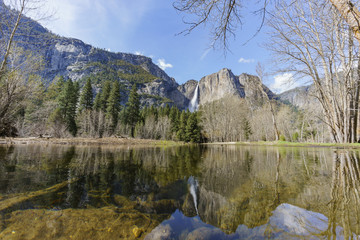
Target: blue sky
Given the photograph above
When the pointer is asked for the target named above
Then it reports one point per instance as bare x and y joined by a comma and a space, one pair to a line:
150, 28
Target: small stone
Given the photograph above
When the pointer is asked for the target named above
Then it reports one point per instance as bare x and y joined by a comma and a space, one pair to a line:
137, 231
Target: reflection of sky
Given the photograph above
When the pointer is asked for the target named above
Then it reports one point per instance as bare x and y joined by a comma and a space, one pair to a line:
287, 222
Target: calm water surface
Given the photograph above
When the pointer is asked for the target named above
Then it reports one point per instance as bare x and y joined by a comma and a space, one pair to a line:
191, 192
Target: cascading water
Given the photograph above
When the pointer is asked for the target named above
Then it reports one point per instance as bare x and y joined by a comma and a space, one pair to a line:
194, 103
193, 188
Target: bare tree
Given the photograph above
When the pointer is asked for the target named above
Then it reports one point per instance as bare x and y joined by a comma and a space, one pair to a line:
350, 13
260, 72
223, 120
225, 16
309, 39
16, 65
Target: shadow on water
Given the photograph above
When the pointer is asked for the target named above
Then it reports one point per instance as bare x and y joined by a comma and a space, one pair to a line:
188, 192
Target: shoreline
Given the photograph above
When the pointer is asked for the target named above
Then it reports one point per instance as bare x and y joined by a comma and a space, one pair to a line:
290, 144
89, 141
151, 142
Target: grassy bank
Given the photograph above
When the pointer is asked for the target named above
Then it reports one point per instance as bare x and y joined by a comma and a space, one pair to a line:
293, 144
162, 143
90, 141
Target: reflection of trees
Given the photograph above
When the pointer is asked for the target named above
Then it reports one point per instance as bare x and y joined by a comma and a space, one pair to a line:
237, 185
102, 173
241, 186
345, 200
245, 185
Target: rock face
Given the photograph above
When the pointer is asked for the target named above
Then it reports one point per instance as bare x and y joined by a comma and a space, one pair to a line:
222, 84
301, 97
218, 85
74, 59
251, 87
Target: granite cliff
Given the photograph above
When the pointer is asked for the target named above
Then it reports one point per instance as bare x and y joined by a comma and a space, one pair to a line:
301, 97
74, 59
222, 84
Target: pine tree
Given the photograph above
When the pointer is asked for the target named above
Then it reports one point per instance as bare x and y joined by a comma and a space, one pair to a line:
55, 88
86, 98
247, 129
133, 109
144, 113
97, 102
182, 126
174, 117
166, 110
113, 105
154, 111
192, 130
67, 102
105, 93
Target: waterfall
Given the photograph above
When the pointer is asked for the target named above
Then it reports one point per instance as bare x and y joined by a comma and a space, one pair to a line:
194, 103
193, 187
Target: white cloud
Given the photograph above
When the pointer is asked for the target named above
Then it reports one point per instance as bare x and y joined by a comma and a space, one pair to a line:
77, 18
92, 20
244, 60
139, 53
163, 65
130, 13
283, 82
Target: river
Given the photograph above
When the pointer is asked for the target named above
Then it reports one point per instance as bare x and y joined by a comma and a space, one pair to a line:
185, 192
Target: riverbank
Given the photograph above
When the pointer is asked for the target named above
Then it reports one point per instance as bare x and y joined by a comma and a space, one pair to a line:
151, 142
290, 144
90, 141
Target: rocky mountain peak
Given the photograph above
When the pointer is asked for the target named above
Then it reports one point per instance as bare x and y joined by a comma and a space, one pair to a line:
223, 84
218, 85
74, 59
301, 97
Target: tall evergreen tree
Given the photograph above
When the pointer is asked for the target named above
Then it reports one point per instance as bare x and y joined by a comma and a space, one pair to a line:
97, 102
55, 88
174, 117
192, 130
182, 126
67, 101
246, 127
86, 98
113, 105
154, 111
133, 109
166, 110
105, 93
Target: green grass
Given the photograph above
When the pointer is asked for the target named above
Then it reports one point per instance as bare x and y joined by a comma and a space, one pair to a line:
298, 144
168, 143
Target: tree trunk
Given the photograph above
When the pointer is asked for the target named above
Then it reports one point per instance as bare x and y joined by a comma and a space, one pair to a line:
356, 104
350, 13
11, 39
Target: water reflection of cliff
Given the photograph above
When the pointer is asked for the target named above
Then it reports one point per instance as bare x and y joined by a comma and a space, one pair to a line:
230, 187
120, 187
245, 187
